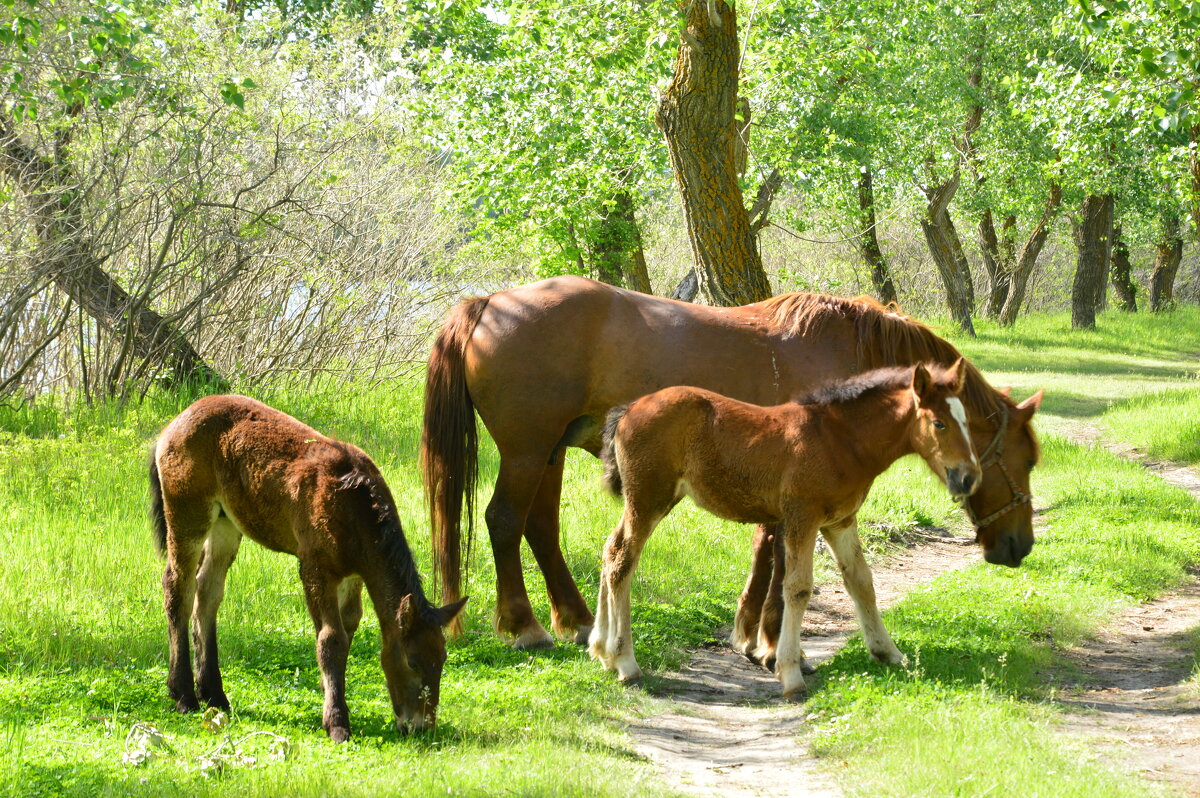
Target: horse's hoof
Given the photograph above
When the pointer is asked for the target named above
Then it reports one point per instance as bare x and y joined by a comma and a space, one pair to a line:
807, 669
633, 680
339, 734
796, 694
186, 705
582, 635
750, 655
890, 657
534, 642
219, 701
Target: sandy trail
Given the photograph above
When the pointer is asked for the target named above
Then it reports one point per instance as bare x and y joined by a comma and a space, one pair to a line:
723, 729
1136, 695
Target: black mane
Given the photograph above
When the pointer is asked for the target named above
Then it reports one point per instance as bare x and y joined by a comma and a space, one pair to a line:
882, 379
365, 477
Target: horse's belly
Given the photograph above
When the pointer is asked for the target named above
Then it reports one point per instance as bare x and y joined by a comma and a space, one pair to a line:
732, 505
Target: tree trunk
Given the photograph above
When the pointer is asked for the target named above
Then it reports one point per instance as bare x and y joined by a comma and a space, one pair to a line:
71, 262
1025, 262
947, 252
868, 240
1093, 237
696, 114
617, 247
1195, 169
997, 251
1166, 266
1121, 273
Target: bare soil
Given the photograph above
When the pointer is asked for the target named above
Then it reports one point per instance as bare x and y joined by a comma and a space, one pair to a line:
724, 730
1135, 694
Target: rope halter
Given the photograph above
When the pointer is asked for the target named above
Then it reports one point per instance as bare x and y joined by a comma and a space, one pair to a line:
991, 456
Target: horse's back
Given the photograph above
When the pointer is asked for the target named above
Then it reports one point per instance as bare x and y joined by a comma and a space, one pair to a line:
567, 348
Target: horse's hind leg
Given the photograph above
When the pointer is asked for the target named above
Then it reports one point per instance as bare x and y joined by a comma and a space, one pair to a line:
750, 602
188, 522
847, 549
220, 550
333, 645
771, 618
516, 485
569, 614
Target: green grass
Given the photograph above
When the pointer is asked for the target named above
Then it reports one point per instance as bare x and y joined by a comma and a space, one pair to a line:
83, 642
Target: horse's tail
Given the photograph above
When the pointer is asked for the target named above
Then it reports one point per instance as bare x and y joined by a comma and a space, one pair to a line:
608, 451
449, 456
158, 518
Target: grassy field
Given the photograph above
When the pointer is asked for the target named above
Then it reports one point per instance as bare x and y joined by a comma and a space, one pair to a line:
83, 644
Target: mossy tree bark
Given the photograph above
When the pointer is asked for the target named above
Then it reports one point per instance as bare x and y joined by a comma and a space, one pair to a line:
1120, 273
1168, 254
697, 114
947, 253
1093, 237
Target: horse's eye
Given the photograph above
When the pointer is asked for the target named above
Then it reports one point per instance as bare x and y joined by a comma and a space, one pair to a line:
1030, 464
938, 425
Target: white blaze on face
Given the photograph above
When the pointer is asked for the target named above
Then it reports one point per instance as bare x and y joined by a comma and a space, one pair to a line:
960, 415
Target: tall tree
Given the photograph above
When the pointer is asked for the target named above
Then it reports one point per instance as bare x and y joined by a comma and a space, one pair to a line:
698, 115
1092, 231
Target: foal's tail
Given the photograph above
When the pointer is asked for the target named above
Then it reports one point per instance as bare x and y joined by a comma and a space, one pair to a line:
449, 456
608, 451
158, 519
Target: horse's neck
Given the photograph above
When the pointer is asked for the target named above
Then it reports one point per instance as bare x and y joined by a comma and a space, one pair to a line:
881, 425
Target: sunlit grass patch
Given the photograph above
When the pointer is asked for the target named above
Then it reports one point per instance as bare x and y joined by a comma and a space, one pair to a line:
1165, 425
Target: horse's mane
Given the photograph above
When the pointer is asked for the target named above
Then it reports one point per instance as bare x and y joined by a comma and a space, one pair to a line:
888, 378
886, 337
365, 478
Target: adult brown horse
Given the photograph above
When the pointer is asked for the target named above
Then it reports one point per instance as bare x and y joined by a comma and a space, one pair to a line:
230, 466
806, 465
544, 363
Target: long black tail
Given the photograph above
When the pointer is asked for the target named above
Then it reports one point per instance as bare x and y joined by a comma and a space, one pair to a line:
608, 454
158, 520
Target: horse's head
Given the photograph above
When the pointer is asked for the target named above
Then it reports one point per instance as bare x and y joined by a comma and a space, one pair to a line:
1001, 509
414, 651
941, 434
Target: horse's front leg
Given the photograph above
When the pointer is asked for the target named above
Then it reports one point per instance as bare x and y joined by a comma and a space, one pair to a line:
220, 550
333, 645
569, 614
750, 603
800, 536
847, 549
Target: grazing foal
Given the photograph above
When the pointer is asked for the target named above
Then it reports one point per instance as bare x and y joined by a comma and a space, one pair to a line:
230, 466
807, 465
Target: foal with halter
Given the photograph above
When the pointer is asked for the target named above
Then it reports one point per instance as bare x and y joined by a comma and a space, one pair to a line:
808, 465
230, 466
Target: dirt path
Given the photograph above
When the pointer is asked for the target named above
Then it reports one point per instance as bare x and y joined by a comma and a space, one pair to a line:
1135, 696
724, 731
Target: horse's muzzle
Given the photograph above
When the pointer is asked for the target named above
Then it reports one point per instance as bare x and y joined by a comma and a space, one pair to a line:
962, 482
1008, 551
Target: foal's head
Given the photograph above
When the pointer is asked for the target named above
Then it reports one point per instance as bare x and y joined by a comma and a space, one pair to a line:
941, 434
414, 652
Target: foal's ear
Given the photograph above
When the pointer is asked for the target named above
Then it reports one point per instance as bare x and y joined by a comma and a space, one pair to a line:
448, 613
406, 613
959, 372
921, 381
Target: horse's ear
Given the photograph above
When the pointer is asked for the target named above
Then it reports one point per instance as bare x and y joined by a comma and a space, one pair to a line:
959, 370
921, 381
406, 613
1026, 409
1006, 391
450, 611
